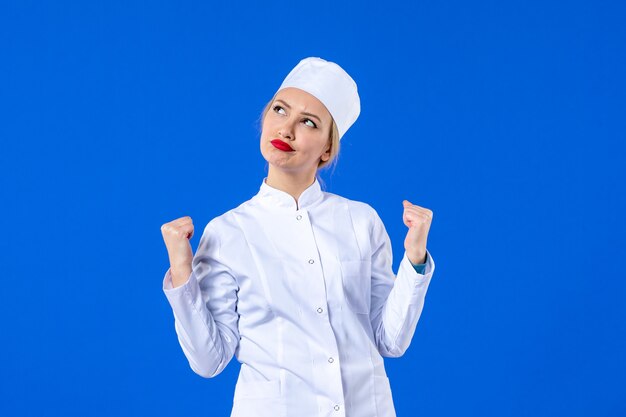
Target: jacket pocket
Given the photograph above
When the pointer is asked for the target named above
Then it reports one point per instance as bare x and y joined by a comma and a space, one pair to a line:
357, 281
258, 399
257, 389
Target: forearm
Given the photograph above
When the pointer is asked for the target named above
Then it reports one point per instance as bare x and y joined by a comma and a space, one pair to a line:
207, 344
402, 308
180, 275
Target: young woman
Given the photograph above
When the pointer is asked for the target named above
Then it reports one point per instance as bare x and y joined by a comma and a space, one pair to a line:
296, 282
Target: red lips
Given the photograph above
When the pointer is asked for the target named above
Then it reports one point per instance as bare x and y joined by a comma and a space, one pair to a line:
279, 144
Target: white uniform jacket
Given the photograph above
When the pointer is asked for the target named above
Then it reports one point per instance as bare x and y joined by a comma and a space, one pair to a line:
305, 298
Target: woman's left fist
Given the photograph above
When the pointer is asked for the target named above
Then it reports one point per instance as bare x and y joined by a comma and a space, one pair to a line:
418, 220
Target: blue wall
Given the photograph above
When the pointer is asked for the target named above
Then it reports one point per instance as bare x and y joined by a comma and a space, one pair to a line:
504, 118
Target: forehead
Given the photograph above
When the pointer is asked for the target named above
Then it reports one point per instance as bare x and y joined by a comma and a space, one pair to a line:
300, 100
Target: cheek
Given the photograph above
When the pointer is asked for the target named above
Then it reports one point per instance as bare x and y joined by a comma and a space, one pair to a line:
266, 131
268, 128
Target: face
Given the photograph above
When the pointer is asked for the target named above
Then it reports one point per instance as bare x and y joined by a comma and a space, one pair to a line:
296, 131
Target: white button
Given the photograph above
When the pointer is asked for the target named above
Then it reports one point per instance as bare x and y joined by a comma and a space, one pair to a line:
331, 360
320, 310
298, 217
337, 407
311, 261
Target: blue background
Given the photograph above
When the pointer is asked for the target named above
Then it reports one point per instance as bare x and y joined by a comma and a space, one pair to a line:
504, 118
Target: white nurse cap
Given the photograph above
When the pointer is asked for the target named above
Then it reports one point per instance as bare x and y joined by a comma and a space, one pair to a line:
331, 85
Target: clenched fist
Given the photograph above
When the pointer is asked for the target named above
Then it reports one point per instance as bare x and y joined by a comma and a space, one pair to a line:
418, 220
176, 235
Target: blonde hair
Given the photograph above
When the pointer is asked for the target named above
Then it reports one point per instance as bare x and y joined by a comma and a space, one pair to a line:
333, 138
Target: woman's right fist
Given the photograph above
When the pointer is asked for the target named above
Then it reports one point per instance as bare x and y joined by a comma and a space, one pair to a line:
176, 235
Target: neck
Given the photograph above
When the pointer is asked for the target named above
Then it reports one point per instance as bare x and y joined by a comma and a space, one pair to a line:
292, 183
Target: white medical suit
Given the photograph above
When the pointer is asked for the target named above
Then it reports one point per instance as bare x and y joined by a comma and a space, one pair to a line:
305, 297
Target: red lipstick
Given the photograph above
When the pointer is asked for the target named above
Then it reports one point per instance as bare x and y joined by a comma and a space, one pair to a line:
279, 144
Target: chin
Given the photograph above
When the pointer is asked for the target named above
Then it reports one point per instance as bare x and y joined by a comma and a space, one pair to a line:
280, 164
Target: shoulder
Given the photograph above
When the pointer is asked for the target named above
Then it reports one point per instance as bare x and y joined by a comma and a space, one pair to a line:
225, 226
366, 223
361, 212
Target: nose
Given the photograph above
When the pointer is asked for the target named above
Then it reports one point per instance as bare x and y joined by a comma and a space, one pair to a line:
286, 130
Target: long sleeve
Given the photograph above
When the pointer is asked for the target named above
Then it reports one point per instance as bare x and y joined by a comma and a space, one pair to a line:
420, 268
205, 315
397, 301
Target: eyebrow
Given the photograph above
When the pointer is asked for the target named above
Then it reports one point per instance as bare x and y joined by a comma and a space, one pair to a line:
303, 113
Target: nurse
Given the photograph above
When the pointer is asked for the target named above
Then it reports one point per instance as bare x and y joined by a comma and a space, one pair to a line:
297, 283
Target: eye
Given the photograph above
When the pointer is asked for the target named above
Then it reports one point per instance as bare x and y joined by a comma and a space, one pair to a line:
310, 123
278, 109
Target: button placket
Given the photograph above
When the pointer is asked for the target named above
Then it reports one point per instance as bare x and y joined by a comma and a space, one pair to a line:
299, 217
301, 224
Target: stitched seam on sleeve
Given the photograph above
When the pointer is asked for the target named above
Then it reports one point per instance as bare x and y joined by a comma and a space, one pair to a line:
404, 318
197, 310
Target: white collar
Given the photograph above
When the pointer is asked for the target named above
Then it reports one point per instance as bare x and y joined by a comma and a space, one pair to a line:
277, 198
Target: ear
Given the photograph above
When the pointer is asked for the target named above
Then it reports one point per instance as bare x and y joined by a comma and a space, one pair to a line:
326, 155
